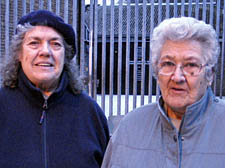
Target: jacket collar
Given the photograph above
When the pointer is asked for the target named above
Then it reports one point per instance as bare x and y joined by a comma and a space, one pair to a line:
194, 115
34, 94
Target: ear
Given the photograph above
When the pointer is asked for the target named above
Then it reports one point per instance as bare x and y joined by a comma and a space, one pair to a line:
209, 74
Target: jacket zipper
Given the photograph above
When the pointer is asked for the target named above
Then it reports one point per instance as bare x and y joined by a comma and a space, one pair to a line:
44, 107
43, 121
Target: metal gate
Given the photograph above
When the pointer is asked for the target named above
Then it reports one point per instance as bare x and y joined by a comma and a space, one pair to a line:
113, 43
119, 55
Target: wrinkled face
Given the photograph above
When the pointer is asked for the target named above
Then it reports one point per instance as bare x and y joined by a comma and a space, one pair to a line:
42, 55
179, 90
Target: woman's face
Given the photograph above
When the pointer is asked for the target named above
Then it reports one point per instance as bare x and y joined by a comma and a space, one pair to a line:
180, 90
42, 56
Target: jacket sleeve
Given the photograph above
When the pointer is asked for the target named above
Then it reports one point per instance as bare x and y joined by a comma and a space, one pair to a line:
112, 155
107, 156
102, 132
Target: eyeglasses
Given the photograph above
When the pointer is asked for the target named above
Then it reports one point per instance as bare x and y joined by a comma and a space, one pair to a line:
188, 69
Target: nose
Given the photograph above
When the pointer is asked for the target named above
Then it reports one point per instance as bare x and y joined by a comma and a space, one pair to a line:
45, 50
178, 75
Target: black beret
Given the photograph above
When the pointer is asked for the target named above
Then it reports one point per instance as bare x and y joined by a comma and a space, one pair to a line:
44, 17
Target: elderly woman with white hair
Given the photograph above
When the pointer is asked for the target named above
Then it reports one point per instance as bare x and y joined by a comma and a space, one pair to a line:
46, 119
185, 128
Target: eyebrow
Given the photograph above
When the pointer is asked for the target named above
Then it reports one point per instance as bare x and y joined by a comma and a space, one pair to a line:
167, 56
191, 58
185, 59
38, 38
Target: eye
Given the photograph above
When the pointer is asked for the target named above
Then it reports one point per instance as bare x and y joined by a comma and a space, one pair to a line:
56, 44
167, 64
191, 65
33, 44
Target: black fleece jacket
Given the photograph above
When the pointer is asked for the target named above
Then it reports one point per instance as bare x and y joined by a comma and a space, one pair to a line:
65, 131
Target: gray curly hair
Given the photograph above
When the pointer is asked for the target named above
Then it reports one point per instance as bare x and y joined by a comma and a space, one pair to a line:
11, 66
186, 28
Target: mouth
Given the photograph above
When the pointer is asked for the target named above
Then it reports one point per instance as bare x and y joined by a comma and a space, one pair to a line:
44, 64
178, 89
175, 90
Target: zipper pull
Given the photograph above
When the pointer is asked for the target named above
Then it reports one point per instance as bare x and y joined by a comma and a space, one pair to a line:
42, 117
45, 106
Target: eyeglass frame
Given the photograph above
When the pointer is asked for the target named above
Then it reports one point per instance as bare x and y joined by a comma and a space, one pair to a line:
182, 69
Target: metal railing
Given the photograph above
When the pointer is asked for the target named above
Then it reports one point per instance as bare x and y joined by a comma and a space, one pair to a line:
113, 43
121, 33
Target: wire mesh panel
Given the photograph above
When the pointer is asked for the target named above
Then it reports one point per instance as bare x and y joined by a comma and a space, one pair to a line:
12, 10
113, 42
129, 80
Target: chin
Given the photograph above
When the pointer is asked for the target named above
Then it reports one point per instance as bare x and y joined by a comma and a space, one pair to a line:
46, 77
177, 106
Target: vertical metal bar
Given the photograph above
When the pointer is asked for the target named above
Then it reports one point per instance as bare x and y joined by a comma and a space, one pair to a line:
197, 9
159, 20
135, 55
82, 39
41, 4
211, 12
175, 8
58, 7
1, 54
159, 11
15, 13
24, 5
6, 28
143, 52
150, 56
119, 72
204, 11
75, 14
182, 7
217, 32
111, 60
103, 54
190, 8
66, 10
49, 5
167, 8
91, 34
127, 59
95, 50
222, 55
31, 5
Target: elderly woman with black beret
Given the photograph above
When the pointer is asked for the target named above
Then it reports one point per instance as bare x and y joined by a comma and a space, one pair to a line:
185, 128
46, 121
